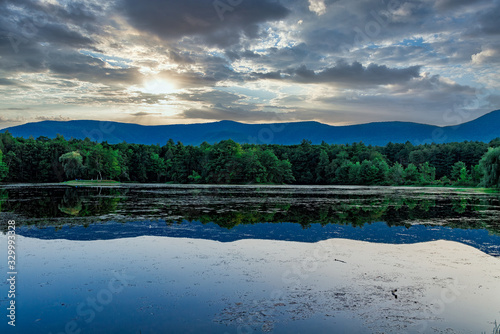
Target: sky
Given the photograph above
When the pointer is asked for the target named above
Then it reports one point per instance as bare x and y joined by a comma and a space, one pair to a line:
254, 61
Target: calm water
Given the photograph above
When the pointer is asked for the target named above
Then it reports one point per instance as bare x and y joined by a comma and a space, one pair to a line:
229, 213
89, 229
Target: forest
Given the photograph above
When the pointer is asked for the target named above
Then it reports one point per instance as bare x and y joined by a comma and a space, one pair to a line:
227, 162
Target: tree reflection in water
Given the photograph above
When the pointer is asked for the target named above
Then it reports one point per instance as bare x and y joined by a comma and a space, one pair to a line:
232, 206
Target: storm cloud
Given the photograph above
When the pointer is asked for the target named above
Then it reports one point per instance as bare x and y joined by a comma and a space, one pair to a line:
216, 22
354, 74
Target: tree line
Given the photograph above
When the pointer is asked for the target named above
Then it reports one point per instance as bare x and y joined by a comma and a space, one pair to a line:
227, 162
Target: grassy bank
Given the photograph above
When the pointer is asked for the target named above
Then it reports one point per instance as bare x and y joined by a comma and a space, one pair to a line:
83, 183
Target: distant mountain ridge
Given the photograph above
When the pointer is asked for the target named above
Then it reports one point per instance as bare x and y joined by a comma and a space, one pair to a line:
484, 129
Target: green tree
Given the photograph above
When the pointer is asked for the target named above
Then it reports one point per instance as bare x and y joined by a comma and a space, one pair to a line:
285, 172
412, 176
368, 173
322, 168
195, 177
460, 174
383, 171
427, 173
342, 173
270, 163
73, 164
112, 167
157, 166
476, 174
456, 170
354, 173
396, 175
224, 163
253, 170
4, 169
490, 163
103, 162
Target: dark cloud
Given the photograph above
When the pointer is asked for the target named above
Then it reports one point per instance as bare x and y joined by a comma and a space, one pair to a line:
236, 55
489, 22
425, 100
68, 25
209, 97
60, 34
13, 84
291, 56
179, 58
249, 54
435, 89
7, 82
348, 74
452, 4
400, 54
232, 55
86, 68
218, 22
143, 113
15, 109
36, 37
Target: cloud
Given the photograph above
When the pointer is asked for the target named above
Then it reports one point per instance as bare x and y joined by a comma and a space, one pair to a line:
73, 65
250, 60
489, 22
220, 112
58, 118
348, 74
216, 22
6, 119
427, 99
56, 23
8, 82
317, 6
143, 113
435, 88
453, 4
209, 96
40, 36
179, 58
15, 109
490, 55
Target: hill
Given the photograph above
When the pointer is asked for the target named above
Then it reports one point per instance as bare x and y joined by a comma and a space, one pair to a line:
483, 129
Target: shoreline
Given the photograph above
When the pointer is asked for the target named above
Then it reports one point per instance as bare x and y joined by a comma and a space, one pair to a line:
267, 185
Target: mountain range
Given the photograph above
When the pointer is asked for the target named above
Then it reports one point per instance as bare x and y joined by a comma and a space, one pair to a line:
484, 129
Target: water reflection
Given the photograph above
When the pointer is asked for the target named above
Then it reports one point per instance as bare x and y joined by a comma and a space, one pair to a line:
232, 206
183, 283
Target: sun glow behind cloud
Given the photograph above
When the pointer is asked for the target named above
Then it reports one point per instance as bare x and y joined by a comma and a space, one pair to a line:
157, 86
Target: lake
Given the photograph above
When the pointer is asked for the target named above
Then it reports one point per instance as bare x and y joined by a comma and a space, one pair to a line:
250, 259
